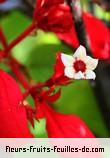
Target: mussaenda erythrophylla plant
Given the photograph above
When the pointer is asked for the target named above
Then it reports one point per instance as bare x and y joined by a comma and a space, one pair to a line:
15, 111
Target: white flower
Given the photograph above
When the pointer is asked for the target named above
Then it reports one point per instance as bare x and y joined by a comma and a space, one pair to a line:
79, 66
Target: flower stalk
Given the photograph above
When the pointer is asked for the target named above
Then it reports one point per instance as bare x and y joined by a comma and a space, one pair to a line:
2, 38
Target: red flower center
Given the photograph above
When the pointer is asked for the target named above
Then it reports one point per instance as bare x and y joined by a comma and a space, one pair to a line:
79, 65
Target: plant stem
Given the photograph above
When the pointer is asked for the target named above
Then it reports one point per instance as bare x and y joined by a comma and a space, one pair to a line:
15, 66
20, 38
77, 13
3, 38
20, 76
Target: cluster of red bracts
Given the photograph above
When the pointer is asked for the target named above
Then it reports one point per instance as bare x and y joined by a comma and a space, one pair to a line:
52, 16
55, 16
15, 116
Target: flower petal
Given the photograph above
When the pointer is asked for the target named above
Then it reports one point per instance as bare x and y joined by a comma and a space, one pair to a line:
79, 75
64, 126
91, 63
90, 75
69, 72
80, 53
67, 59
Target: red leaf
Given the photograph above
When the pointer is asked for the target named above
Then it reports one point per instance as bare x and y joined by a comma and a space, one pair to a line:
13, 121
64, 126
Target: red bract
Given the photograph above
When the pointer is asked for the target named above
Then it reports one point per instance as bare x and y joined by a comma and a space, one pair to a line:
58, 77
52, 16
99, 40
69, 37
64, 126
13, 121
99, 36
